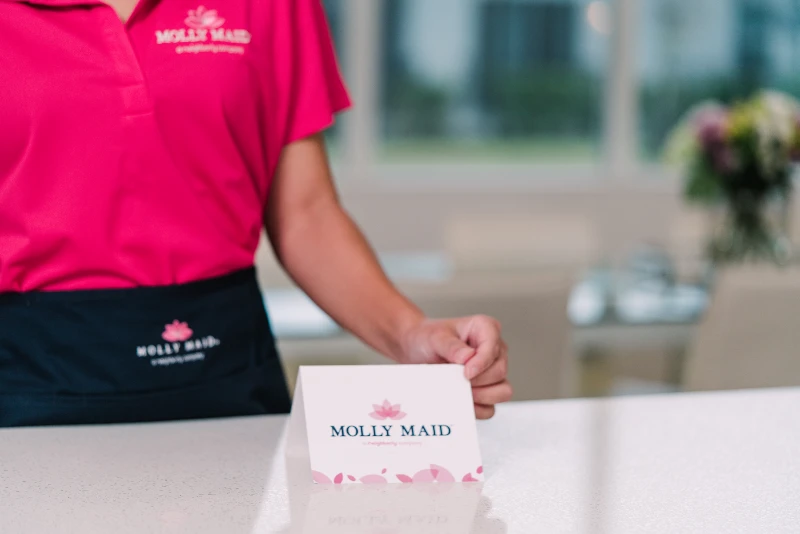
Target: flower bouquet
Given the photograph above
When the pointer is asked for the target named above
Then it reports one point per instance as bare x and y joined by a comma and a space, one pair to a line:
742, 159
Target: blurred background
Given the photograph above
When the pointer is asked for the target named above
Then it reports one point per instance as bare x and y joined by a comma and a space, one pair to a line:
505, 157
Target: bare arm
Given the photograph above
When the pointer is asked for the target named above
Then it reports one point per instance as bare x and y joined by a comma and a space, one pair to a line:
325, 253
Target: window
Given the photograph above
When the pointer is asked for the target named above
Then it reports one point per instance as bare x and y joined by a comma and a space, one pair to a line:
531, 82
711, 49
499, 80
334, 10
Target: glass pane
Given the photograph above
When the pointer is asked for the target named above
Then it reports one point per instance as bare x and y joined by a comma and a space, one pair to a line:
693, 50
493, 79
335, 12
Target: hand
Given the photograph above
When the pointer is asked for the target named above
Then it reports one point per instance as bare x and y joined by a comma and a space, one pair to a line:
474, 342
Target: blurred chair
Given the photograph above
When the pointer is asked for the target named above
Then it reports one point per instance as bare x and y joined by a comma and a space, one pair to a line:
531, 304
520, 268
521, 242
794, 221
750, 335
532, 309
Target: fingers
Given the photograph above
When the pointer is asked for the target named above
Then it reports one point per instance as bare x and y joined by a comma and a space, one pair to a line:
484, 412
492, 387
451, 348
483, 333
497, 372
491, 395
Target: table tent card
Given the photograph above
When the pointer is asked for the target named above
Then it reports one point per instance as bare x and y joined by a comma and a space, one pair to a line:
377, 424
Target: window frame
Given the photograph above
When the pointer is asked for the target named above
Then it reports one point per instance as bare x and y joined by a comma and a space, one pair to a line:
358, 164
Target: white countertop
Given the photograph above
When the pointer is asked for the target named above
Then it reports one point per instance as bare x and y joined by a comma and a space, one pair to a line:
684, 463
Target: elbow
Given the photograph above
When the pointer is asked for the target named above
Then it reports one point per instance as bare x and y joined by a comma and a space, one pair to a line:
302, 228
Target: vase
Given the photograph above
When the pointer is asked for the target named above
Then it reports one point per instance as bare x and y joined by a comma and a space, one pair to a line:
752, 228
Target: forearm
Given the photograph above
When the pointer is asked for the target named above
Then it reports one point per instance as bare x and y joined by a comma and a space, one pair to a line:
328, 257
326, 254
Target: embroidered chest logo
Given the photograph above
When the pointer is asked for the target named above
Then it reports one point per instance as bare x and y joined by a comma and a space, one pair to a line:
205, 32
181, 346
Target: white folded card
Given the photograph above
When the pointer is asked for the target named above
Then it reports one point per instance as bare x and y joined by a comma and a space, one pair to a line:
377, 424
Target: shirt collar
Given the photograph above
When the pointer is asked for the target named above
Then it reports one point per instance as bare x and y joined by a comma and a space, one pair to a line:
141, 7
57, 2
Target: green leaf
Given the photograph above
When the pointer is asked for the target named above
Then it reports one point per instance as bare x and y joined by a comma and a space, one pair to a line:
703, 185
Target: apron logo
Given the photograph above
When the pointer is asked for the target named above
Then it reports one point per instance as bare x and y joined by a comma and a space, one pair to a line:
177, 331
180, 347
204, 34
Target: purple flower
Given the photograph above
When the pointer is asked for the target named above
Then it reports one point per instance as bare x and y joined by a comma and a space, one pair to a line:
710, 124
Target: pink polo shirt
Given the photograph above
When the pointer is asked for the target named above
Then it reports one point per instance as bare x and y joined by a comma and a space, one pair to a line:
141, 154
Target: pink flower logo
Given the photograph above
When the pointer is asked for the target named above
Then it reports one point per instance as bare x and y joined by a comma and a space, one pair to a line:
177, 331
436, 473
387, 410
202, 18
423, 478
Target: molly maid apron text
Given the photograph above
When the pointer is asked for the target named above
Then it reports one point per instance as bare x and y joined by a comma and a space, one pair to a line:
198, 350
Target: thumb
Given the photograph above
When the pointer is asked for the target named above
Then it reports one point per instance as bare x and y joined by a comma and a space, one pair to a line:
450, 348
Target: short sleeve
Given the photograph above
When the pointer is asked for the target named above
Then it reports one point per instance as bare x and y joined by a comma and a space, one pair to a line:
315, 91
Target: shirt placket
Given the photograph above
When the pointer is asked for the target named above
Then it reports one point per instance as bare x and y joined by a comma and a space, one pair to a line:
132, 84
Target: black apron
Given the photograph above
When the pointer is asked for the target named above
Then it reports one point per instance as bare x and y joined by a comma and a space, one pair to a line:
197, 350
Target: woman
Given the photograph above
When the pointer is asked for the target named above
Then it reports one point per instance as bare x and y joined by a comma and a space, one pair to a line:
143, 149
